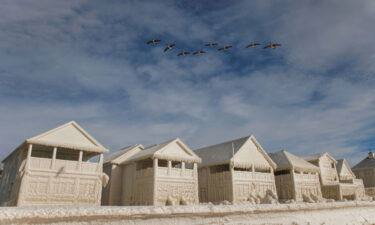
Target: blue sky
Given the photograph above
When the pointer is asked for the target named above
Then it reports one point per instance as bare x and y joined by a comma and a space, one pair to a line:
87, 61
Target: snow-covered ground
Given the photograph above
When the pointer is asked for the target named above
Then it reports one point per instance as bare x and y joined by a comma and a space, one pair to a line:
246, 214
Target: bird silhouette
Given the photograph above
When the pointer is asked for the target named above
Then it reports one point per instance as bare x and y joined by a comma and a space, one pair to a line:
224, 48
252, 45
272, 45
153, 41
210, 44
183, 53
169, 47
199, 52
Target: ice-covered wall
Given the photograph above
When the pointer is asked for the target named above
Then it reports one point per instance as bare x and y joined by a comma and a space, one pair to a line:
301, 213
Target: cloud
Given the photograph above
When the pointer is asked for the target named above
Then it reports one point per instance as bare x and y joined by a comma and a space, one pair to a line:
88, 61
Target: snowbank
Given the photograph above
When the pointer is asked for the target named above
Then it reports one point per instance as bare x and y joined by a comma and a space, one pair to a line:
299, 213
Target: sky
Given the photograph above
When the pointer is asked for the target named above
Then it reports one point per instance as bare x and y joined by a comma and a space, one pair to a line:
88, 61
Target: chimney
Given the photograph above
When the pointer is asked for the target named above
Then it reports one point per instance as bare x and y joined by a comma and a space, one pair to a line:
371, 155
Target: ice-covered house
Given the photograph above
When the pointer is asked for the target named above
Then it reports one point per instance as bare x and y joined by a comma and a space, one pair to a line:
162, 174
346, 176
112, 167
236, 171
329, 178
365, 170
296, 179
53, 168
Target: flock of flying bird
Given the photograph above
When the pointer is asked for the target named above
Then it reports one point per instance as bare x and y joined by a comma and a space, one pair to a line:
223, 48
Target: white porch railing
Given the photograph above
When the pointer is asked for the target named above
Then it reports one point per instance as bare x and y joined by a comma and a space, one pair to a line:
175, 172
66, 165
248, 175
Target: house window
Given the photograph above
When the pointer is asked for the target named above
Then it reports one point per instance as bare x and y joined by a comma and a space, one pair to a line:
332, 165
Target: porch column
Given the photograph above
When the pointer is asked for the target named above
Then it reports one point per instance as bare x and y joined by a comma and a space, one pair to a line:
155, 167
54, 158
294, 189
182, 168
169, 167
22, 184
252, 168
154, 194
28, 159
100, 163
231, 168
79, 163
195, 169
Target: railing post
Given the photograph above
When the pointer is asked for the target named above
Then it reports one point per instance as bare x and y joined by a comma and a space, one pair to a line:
182, 168
28, 159
100, 163
53, 163
155, 180
232, 179
79, 164
169, 167
294, 191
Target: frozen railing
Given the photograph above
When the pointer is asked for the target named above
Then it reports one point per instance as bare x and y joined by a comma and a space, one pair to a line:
176, 172
65, 165
300, 176
253, 175
40, 163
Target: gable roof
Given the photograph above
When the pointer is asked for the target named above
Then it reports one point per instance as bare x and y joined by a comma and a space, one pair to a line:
317, 156
69, 135
286, 160
341, 163
156, 151
223, 152
366, 163
55, 138
121, 155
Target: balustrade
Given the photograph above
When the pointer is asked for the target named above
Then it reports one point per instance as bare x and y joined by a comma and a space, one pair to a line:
299, 176
66, 165
175, 172
253, 175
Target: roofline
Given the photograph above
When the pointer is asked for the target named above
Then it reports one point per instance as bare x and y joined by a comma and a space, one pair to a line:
321, 155
154, 155
132, 147
99, 149
345, 162
292, 167
263, 152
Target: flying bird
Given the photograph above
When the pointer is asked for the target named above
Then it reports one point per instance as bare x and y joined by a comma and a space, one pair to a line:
183, 53
272, 45
252, 45
153, 41
199, 52
224, 48
169, 47
210, 44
